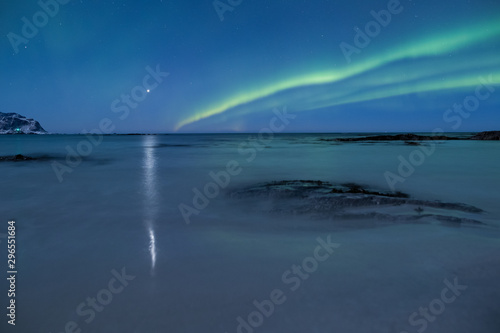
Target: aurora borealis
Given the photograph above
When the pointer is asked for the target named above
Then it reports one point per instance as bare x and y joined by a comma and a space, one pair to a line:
227, 76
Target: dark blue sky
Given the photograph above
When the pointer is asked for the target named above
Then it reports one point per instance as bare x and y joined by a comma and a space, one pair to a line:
411, 71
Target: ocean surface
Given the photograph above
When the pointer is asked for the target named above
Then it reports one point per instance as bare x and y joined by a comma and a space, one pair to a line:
108, 238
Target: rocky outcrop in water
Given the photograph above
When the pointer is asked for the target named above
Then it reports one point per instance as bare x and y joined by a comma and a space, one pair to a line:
490, 135
23, 158
352, 201
14, 123
413, 139
16, 158
409, 137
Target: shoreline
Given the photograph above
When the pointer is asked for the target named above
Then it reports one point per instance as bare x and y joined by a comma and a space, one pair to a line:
362, 136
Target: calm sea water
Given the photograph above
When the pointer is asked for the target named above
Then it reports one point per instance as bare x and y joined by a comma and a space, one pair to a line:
118, 211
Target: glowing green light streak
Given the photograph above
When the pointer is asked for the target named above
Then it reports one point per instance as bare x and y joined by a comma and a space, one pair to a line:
437, 45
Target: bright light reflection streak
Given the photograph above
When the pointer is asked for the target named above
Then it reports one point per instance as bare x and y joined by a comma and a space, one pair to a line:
150, 195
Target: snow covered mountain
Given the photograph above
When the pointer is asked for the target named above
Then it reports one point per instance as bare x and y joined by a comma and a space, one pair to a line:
14, 123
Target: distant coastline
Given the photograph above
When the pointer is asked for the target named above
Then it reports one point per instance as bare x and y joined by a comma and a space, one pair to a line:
348, 136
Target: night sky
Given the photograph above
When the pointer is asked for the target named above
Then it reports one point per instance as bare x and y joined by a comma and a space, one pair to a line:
314, 57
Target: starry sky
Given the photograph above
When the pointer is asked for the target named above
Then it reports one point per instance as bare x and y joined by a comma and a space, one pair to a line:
187, 66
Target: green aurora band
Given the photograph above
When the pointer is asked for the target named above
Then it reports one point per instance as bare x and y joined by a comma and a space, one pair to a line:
433, 48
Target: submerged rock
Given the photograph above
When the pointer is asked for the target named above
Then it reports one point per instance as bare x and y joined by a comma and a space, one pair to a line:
352, 201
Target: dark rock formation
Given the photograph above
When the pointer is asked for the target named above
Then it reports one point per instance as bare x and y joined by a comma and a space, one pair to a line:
16, 158
490, 135
409, 137
352, 201
21, 158
413, 139
14, 123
